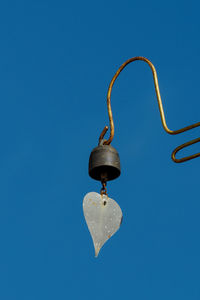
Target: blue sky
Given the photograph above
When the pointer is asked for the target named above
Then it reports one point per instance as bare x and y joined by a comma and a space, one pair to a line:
56, 61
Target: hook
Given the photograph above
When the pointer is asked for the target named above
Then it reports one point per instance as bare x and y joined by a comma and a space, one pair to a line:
173, 132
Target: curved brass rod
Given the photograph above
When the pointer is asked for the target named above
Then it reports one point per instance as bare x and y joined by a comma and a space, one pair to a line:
179, 160
107, 142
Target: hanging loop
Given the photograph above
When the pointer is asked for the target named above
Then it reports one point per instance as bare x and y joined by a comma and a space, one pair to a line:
173, 132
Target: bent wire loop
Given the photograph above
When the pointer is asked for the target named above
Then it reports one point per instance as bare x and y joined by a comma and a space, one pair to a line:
107, 142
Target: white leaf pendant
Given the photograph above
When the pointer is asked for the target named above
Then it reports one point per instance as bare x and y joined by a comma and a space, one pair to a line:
103, 217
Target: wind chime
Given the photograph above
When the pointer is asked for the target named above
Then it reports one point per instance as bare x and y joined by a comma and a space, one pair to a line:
102, 214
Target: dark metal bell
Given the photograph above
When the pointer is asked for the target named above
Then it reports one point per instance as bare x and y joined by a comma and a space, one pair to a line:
104, 163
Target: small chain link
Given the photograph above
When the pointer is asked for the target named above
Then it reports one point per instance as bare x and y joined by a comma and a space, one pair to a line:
103, 189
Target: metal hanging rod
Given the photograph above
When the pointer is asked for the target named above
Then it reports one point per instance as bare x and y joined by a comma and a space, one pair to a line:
107, 142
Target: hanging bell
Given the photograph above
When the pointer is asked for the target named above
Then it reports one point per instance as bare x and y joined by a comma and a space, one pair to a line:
104, 163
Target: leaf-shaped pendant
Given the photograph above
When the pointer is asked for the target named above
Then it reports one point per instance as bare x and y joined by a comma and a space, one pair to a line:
103, 217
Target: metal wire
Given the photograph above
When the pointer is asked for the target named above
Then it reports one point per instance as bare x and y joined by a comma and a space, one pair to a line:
103, 189
173, 132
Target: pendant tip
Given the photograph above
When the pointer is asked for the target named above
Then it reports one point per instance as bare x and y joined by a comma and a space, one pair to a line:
97, 251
